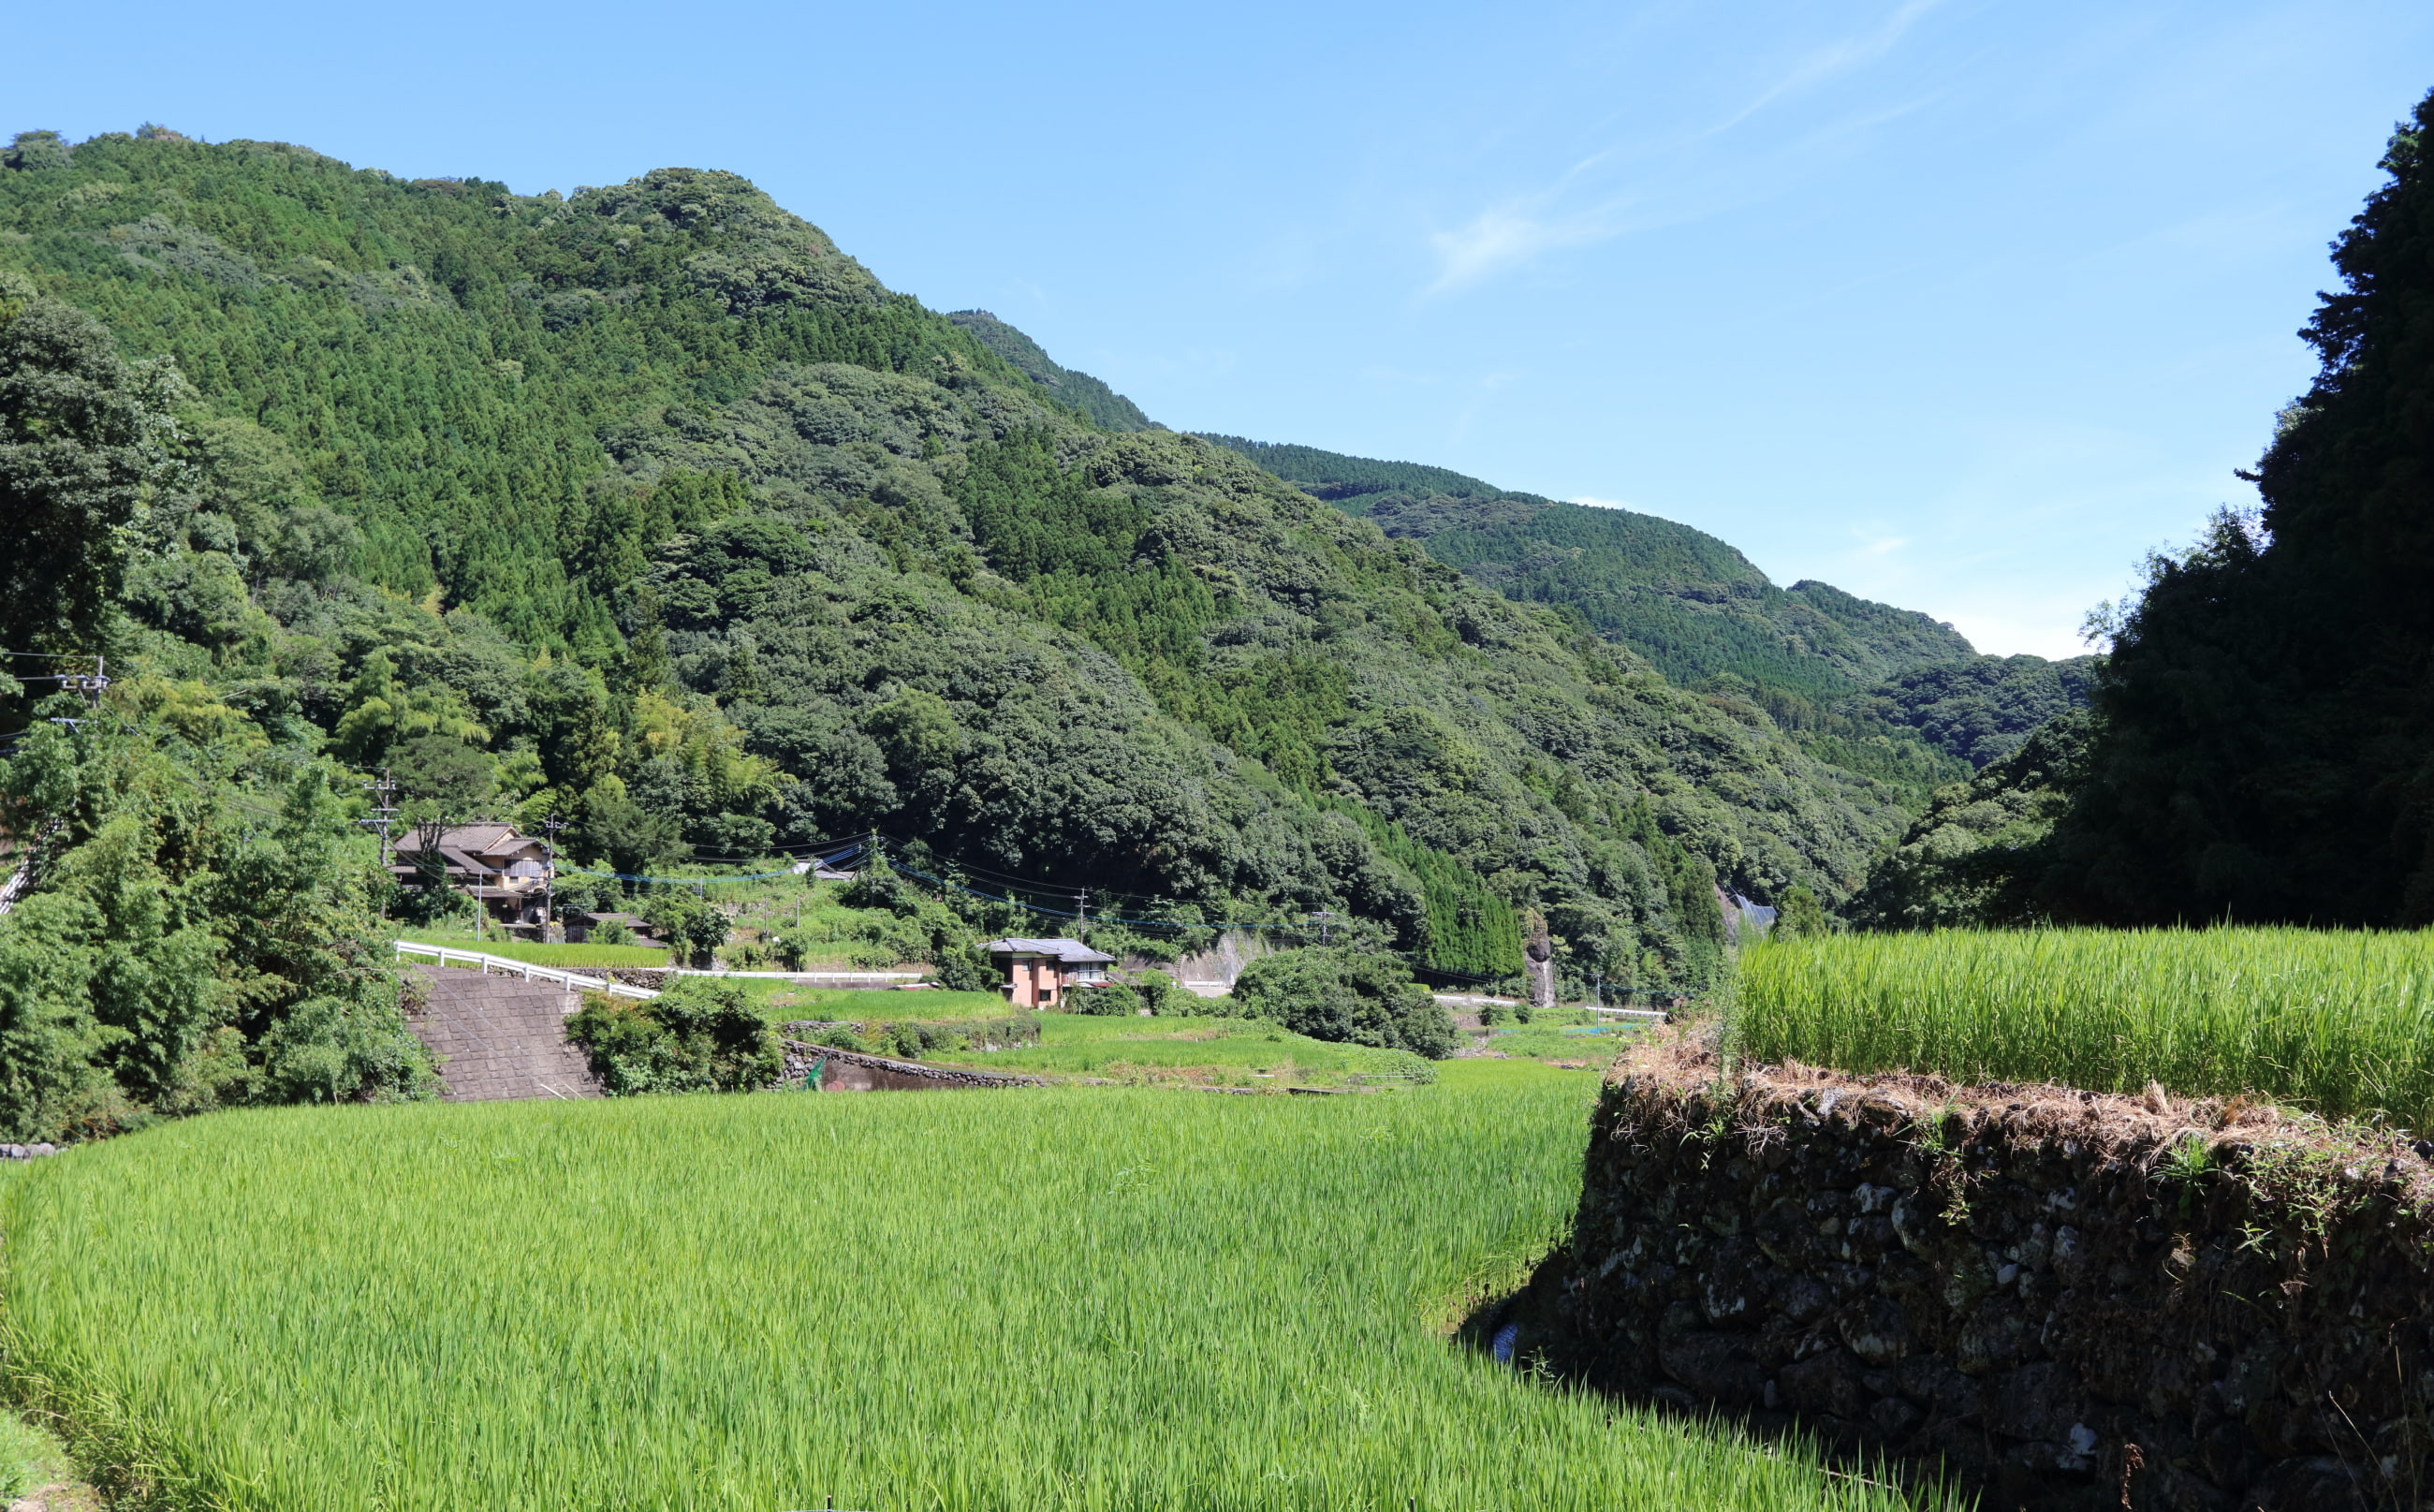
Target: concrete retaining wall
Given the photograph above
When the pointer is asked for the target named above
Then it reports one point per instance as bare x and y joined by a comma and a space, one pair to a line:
2074, 1301
499, 1037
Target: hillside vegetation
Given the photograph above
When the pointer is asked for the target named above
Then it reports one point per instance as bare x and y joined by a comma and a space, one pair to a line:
652, 509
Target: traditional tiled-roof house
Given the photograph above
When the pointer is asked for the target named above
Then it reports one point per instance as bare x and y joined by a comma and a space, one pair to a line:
1040, 972
507, 873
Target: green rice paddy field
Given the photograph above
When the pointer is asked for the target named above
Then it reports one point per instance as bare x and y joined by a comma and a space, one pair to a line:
2337, 1022
566, 957
1104, 1297
1216, 1052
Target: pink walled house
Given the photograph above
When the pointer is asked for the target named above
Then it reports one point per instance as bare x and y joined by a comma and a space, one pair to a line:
1040, 972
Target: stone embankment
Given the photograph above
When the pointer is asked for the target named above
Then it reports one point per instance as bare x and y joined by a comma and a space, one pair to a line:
850, 1071
2068, 1299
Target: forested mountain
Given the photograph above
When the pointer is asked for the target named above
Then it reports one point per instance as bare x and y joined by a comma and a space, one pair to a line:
1100, 405
651, 508
1981, 709
1873, 688
1689, 602
2257, 745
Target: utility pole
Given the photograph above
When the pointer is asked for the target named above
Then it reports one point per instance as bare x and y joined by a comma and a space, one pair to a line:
1081, 912
550, 827
383, 810
92, 687
1326, 923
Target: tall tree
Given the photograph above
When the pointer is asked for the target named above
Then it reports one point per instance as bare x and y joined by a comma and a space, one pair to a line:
85, 443
2265, 740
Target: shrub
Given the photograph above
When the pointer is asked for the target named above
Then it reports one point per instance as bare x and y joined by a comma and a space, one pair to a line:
1114, 1000
966, 969
694, 1037
1349, 998
1157, 992
692, 927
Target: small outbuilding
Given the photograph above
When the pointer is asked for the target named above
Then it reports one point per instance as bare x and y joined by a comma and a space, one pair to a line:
1040, 972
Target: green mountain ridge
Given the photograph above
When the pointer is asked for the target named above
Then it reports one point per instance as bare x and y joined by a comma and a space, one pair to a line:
1844, 675
1690, 602
1886, 692
1100, 405
654, 508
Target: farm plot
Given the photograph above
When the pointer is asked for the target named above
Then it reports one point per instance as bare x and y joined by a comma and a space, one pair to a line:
1212, 1052
1065, 1299
2339, 1023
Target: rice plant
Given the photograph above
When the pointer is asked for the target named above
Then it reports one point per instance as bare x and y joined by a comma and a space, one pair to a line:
2341, 1022
1086, 1299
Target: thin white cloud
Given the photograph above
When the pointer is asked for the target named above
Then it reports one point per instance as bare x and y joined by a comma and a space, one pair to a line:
1889, 544
1596, 502
1522, 227
1835, 58
1516, 231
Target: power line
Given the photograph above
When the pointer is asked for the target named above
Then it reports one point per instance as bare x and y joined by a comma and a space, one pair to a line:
679, 882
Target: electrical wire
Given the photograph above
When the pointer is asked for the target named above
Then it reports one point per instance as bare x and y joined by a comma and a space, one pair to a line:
679, 882
1104, 918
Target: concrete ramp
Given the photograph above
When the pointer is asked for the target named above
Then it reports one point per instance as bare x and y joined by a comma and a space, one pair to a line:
500, 1037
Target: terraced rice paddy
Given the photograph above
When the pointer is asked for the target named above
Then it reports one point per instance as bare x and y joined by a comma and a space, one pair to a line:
1213, 1052
566, 957
781, 1002
1067, 1299
2341, 1022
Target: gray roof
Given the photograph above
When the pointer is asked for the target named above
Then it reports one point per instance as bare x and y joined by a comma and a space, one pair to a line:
488, 838
1071, 951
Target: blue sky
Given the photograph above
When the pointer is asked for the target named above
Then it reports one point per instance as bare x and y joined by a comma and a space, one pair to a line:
1961, 305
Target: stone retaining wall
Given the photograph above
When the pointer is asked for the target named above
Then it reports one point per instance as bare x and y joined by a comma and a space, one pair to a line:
2073, 1300
847, 1071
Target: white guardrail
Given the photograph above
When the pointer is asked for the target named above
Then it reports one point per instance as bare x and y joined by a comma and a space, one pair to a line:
571, 981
